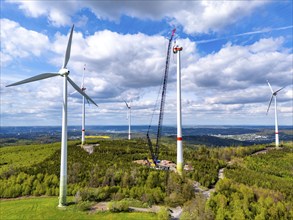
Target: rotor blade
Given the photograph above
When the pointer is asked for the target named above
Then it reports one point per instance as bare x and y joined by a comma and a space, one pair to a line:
67, 55
35, 78
126, 104
270, 104
270, 86
73, 92
279, 90
80, 91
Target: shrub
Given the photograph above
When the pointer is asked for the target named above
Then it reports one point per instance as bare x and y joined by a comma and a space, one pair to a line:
78, 197
164, 214
174, 199
121, 206
84, 206
196, 209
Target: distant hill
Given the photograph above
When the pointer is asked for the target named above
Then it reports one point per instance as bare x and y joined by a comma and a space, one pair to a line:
203, 135
213, 141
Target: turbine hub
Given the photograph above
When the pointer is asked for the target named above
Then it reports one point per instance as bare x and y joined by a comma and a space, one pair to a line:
64, 72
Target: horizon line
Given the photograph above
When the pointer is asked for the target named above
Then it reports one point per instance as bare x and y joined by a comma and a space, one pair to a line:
126, 125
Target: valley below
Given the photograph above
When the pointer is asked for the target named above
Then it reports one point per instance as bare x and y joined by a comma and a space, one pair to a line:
222, 179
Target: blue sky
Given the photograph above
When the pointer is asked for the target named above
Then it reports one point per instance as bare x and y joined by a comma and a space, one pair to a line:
230, 49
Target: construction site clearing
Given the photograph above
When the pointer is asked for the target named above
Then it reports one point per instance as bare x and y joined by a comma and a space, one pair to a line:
162, 164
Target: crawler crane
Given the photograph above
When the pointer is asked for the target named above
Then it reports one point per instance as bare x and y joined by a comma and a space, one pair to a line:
155, 150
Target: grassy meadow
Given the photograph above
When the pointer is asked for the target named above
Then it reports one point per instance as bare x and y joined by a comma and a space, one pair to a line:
46, 208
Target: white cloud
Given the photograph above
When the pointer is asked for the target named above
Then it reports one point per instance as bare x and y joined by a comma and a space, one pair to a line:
193, 16
260, 94
118, 67
230, 85
206, 16
59, 13
237, 67
18, 42
31, 104
116, 62
224, 86
5, 58
267, 45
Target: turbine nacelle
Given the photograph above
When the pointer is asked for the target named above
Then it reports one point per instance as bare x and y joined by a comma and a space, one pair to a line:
63, 72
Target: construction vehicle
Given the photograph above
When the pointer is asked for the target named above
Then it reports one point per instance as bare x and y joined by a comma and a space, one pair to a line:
155, 152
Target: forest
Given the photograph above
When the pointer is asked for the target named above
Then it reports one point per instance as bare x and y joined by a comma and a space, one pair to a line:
258, 186
255, 186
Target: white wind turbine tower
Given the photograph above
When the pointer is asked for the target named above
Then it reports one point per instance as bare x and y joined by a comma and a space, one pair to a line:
83, 111
129, 119
64, 72
274, 95
177, 50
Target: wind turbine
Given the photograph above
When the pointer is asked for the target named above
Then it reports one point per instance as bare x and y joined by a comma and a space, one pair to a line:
129, 119
274, 95
64, 72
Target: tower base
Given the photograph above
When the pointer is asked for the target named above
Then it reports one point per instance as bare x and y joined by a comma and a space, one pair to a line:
180, 168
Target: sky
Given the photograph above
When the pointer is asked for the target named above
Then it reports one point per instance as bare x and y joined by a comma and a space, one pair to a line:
230, 50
